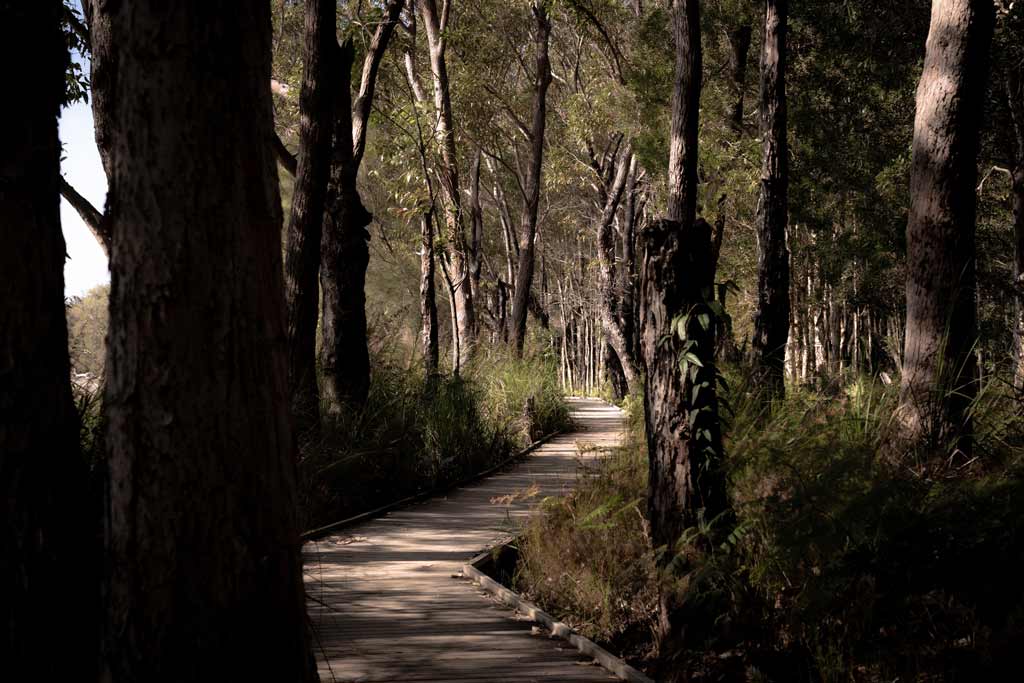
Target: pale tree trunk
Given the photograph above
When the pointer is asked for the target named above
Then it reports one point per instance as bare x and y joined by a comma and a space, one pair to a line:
939, 379
344, 249
48, 553
305, 226
771, 319
633, 211
436, 24
610, 322
528, 229
476, 215
204, 566
1015, 97
428, 259
685, 483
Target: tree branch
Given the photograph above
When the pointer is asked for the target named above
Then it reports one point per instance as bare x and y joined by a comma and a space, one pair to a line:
287, 160
91, 216
371, 65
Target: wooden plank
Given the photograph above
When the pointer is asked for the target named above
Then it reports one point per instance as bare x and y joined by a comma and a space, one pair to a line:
384, 605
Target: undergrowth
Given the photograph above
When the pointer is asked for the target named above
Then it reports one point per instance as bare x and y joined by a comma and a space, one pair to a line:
836, 566
415, 435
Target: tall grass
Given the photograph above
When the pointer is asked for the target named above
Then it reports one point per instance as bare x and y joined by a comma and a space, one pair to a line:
415, 435
837, 566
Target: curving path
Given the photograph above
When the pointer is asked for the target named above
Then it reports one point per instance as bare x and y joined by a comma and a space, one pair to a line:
386, 599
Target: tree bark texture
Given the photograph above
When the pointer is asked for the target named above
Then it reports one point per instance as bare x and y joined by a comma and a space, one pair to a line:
456, 251
685, 483
771, 318
205, 580
528, 229
103, 71
344, 247
47, 532
939, 369
305, 225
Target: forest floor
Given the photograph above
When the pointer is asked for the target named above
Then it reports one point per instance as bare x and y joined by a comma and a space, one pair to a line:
386, 599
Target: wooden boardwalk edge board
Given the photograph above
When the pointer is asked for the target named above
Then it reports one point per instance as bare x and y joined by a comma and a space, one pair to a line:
327, 529
586, 646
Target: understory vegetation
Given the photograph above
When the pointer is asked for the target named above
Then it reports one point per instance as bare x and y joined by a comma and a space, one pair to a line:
834, 565
416, 435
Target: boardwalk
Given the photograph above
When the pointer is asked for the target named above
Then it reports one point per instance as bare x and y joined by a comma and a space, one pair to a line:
383, 600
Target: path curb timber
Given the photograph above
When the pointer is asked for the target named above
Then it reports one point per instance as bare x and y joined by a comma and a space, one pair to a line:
320, 532
586, 646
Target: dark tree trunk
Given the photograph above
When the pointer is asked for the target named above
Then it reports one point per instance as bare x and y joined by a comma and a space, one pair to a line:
90, 215
939, 369
613, 331
685, 483
528, 230
1015, 96
344, 246
47, 536
205, 577
771, 319
103, 71
739, 49
614, 373
305, 227
428, 299
344, 257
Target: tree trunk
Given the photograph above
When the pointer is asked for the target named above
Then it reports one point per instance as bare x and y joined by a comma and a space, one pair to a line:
428, 299
344, 257
476, 215
305, 227
103, 70
1015, 97
203, 537
48, 534
456, 252
344, 250
771, 319
685, 483
627, 302
939, 372
616, 336
739, 49
528, 230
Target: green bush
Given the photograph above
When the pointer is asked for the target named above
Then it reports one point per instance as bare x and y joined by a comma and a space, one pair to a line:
836, 566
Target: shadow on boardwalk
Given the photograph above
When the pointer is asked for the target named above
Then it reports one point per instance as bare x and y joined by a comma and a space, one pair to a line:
386, 601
